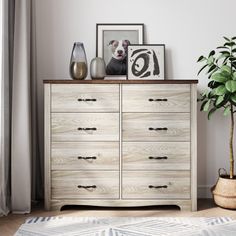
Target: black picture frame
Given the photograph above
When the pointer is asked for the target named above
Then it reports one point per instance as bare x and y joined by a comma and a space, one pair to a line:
106, 33
146, 62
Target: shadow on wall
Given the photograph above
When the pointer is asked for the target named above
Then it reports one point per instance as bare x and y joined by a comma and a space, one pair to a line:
168, 64
201, 146
213, 148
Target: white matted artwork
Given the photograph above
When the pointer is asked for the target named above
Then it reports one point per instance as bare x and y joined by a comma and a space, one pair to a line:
146, 62
112, 44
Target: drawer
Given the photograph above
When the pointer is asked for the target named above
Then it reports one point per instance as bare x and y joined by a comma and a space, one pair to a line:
85, 126
156, 98
156, 127
156, 156
85, 156
85, 98
156, 184
90, 184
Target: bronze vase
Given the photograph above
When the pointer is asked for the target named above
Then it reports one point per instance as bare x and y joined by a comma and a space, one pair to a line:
78, 62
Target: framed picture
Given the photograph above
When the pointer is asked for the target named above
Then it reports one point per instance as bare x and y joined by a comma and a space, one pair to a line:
146, 62
112, 45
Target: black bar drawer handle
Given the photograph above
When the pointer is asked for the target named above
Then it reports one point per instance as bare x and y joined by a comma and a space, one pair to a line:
157, 129
158, 186
86, 187
87, 100
87, 158
85, 129
158, 100
158, 158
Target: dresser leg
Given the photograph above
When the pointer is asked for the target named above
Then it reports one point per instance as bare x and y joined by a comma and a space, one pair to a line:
185, 207
56, 205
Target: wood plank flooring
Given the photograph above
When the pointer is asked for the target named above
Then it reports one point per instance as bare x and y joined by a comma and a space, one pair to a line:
206, 208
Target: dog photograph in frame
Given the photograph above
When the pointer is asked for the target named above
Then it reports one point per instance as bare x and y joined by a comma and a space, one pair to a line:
146, 62
112, 44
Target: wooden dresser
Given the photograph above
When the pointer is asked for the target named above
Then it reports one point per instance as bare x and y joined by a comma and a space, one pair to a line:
120, 143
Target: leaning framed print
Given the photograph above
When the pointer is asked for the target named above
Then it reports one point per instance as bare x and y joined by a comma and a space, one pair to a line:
146, 62
112, 43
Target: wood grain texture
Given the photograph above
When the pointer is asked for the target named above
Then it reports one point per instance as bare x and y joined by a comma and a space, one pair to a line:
194, 146
89, 81
65, 126
141, 156
123, 142
184, 205
136, 184
136, 98
67, 156
136, 127
65, 184
65, 98
47, 145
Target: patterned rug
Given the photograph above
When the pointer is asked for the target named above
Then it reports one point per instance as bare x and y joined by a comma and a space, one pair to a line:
128, 226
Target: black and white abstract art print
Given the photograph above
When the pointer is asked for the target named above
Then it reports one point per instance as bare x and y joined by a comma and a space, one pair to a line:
146, 62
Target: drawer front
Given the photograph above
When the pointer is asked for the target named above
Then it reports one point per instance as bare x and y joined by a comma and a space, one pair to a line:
158, 184
85, 98
156, 98
156, 156
156, 127
85, 127
85, 156
90, 184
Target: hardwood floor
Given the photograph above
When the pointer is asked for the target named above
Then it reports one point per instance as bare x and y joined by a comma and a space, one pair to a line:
206, 208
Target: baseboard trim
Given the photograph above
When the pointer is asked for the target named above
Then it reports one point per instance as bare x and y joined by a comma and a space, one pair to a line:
204, 191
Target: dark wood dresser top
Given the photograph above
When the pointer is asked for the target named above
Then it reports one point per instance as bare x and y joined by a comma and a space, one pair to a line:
70, 81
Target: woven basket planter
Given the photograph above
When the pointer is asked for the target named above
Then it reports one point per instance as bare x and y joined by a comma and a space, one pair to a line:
224, 192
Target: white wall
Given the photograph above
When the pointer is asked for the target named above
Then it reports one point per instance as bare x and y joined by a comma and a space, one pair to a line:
189, 28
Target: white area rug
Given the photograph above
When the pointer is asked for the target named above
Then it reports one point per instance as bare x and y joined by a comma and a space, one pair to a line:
128, 226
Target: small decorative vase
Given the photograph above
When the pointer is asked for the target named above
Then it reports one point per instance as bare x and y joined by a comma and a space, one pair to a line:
78, 62
97, 68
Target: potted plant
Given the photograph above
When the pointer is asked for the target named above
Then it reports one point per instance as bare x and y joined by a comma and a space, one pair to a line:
220, 66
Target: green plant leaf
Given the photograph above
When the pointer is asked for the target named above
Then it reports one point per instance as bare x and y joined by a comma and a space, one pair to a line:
233, 98
234, 76
201, 99
212, 53
205, 93
225, 52
232, 58
227, 111
227, 39
221, 57
219, 100
210, 60
211, 112
211, 84
203, 104
211, 68
212, 72
233, 38
231, 86
201, 58
225, 60
221, 90
234, 65
222, 47
207, 105
218, 77
202, 69
234, 50
230, 44
226, 68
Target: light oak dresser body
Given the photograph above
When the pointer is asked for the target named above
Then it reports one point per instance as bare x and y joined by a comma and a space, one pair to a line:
120, 143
